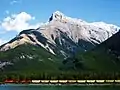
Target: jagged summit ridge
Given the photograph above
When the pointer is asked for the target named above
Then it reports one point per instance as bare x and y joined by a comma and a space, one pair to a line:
57, 15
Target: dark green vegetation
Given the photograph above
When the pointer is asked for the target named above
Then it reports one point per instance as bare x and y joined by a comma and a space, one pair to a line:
29, 58
34, 62
104, 58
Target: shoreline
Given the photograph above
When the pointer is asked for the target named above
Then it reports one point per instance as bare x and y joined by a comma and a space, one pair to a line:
33, 84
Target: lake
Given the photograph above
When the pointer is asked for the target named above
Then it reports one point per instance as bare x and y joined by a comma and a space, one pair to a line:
54, 87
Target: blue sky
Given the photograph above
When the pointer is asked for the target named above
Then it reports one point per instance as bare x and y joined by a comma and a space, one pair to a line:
37, 11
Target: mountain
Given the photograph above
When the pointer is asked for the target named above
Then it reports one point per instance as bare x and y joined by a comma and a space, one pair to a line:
103, 58
64, 35
55, 46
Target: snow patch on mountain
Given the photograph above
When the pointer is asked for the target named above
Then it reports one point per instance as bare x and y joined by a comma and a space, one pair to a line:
2, 64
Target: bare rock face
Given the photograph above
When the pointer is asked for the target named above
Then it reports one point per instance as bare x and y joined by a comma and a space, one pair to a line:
65, 35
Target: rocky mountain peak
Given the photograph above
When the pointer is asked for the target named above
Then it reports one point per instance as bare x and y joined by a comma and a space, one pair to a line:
57, 15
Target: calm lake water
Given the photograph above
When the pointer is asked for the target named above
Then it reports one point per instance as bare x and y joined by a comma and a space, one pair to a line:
53, 87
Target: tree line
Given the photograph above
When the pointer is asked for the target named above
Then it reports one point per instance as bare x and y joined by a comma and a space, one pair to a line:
59, 76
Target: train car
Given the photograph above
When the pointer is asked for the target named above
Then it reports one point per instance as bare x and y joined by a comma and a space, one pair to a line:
53, 81
62, 81
35, 81
100, 81
81, 81
45, 81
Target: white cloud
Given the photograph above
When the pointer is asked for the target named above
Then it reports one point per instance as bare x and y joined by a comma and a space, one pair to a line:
2, 41
18, 22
